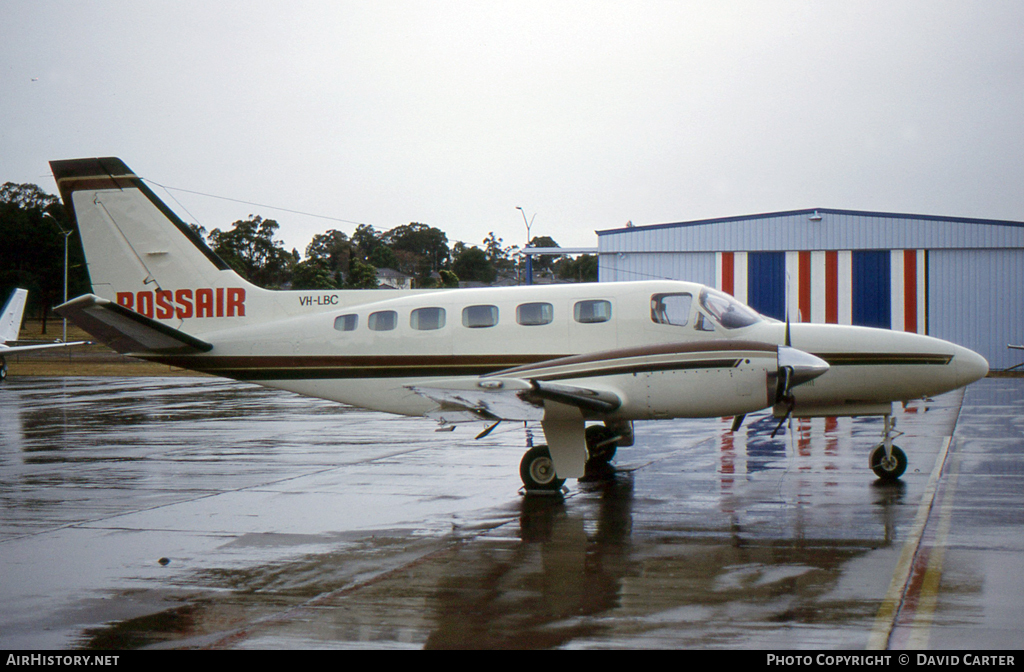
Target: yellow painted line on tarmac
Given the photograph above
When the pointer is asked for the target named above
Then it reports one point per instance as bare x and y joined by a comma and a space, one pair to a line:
921, 628
885, 620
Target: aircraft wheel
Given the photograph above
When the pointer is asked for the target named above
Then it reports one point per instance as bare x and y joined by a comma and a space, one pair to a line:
888, 470
537, 470
3, 369
596, 452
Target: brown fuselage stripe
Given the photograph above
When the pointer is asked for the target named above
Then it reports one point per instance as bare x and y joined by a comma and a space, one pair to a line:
883, 359
541, 367
297, 367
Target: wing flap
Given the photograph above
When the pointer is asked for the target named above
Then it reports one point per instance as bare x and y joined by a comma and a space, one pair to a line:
516, 399
125, 330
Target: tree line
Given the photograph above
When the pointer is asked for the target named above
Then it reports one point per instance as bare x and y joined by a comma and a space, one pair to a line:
32, 239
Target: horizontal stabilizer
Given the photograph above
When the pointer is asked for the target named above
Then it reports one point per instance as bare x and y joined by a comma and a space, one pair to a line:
127, 331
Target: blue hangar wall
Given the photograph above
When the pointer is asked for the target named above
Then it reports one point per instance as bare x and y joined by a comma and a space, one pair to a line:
958, 279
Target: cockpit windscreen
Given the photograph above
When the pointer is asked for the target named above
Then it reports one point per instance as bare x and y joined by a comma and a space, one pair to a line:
726, 310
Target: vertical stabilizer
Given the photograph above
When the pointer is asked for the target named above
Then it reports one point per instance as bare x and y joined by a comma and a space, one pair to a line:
10, 320
132, 240
144, 258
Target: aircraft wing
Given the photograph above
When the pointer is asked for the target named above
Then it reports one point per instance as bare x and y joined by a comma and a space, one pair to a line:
527, 392
504, 398
125, 330
14, 349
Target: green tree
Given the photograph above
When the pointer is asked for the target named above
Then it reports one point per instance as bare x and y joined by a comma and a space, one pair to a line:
312, 274
581, 269
448, 279
472, 264
383, 257
361, 276
543, 262
333, 249
32, 252
249, 248
420, 249
503, 258
366, 239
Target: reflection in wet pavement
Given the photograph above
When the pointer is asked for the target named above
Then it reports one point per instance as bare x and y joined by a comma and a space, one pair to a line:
204, 513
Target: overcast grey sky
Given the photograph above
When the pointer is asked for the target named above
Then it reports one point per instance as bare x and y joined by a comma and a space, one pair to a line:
588, 114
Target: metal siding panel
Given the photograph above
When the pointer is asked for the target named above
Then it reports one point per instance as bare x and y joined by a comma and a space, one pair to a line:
975, 299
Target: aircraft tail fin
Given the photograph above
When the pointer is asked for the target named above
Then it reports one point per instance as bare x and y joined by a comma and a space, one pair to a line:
126, 331
133, 242
10, 319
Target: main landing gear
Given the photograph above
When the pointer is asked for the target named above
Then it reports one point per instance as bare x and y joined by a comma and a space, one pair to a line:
887, 460
3, 369
537, 469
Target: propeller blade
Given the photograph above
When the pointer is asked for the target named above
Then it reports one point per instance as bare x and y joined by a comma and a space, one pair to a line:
789, 412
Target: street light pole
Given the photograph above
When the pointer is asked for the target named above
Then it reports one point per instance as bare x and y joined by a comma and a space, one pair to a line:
67, 234
529, 257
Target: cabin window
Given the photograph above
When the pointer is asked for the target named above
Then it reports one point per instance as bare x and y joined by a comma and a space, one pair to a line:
346, 322
589, 312
477, 317
384, 320
671, 309
534, 314
426, 319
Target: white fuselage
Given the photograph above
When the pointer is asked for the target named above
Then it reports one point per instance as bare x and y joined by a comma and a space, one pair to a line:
369, 355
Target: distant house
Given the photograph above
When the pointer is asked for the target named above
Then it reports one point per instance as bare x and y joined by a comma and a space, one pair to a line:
389, 278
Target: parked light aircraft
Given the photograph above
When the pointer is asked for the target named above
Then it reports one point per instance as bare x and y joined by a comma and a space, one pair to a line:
564, 355
10, 325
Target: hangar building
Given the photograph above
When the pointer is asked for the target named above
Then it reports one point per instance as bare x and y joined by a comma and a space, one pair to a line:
958, 279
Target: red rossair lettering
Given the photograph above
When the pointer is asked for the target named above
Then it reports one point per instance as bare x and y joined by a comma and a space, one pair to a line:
183, 297
144, 303
204, 302
165, 304
236, 301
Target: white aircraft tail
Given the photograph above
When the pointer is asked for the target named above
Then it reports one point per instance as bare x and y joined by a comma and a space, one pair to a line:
133, 242
144, 259
10, 320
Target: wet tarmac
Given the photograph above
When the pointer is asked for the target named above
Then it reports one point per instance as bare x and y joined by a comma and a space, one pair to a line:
188, 512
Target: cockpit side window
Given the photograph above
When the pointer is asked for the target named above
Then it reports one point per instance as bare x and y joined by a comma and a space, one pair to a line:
671, 309
726, 310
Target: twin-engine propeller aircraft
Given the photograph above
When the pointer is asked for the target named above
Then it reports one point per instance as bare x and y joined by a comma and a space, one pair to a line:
10, 325
563, 355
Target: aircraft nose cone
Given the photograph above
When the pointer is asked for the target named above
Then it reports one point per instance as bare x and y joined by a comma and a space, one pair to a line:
804, 365
970, 366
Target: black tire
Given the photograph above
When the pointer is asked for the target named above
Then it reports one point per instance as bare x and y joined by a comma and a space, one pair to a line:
892, 470
537, 470
596, 452
3, 369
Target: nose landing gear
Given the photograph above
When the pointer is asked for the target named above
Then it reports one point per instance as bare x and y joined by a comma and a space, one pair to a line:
887, 460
